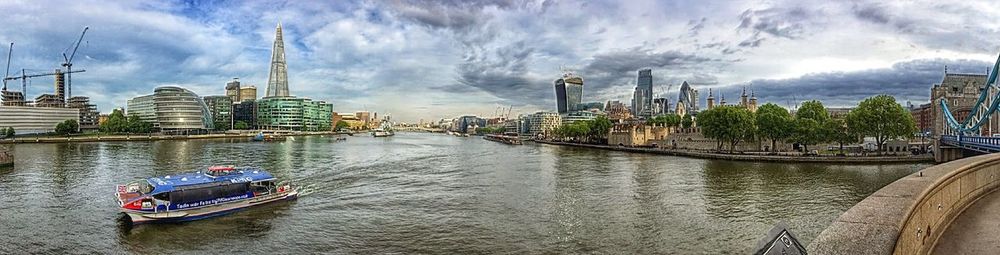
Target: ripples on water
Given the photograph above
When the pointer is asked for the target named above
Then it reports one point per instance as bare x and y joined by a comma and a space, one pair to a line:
428, 193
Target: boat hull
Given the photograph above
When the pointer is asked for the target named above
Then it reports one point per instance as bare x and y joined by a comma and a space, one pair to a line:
139, 217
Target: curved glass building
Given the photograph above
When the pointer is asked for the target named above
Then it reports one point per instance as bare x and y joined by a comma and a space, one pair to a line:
172, 108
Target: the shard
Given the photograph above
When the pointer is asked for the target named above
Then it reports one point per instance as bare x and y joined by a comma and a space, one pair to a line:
277, 80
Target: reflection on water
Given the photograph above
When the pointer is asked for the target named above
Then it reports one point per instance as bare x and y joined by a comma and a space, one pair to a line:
426, 193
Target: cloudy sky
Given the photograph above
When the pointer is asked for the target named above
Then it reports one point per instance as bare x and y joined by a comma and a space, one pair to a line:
436, 59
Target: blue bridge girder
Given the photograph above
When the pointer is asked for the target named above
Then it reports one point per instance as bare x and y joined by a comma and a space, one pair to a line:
982, 144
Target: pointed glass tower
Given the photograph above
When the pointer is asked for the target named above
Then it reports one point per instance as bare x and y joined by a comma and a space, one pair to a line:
277, 80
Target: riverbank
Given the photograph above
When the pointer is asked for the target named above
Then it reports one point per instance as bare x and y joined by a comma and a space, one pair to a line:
755, 157
148, 137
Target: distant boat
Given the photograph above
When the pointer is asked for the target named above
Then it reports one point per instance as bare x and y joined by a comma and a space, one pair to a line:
259, 137
384, 129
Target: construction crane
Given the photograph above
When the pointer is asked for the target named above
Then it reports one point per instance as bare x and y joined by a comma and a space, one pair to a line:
24, 79
69, 63
8, 66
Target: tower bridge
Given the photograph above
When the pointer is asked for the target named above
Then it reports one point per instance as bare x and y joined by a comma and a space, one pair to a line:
971, 129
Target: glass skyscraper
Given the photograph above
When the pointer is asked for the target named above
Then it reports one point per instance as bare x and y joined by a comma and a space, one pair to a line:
569, 93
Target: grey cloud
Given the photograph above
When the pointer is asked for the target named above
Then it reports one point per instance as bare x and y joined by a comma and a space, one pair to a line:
909, 80
788, 23
962, 31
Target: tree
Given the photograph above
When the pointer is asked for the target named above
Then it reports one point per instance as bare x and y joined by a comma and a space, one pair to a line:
116, 123
136, 125
727, 124
341, 125
812, 110
837, 131
67, 127
807, 131
687, 121
810, 119
599, 127
10, 132
774, 122
243, 125
882, 118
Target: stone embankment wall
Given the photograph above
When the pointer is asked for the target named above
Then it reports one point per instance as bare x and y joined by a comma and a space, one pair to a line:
909, 215
6, 157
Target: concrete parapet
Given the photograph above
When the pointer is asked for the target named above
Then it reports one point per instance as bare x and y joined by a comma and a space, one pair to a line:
909, 215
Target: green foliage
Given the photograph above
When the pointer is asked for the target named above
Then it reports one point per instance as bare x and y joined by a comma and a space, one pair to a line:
807, 131
812, 110
579, 130
243, 125
687, 121
9, 132
882, 118
67, 127
136, 125
116, 123
340, 125
774, 122
491, 130
600, 126
837, 131
669, 120
727, 124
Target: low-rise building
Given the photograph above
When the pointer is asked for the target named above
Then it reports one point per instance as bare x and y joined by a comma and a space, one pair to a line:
245, 113
293, 113
542, 123
221, 108
34, 120
88, 112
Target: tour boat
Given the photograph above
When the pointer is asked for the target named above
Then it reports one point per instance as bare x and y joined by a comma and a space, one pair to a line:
191, 196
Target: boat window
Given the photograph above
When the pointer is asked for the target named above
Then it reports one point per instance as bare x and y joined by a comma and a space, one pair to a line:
208, 193
162, 196
140, 186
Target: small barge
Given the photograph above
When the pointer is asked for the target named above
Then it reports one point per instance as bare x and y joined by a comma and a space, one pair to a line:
508, 139
191, 196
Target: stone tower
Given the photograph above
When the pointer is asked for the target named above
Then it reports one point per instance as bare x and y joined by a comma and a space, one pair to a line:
711, 99
277, 80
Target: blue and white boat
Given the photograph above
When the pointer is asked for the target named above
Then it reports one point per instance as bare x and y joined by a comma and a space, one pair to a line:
191, 196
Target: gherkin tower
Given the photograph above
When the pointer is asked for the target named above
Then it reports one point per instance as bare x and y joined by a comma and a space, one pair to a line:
277, 80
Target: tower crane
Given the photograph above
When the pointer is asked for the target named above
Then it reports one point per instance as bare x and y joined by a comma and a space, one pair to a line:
24, 79
69, 63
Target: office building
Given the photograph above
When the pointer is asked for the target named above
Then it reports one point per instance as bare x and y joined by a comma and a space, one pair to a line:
172, 108
569, 93
233, 90
642, 97
34, 120
247, 93
542, 123
687, 99
221, 108
292, 113
245, 112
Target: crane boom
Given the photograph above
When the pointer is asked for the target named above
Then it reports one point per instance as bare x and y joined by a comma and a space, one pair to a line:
9, 51
69, 63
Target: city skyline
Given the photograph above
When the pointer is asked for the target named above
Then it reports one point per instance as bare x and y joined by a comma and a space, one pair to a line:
419, 60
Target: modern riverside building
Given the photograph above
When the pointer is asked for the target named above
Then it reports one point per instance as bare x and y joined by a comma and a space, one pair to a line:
247, 93
542, 123
293, 113
171, 109
277, 80
233, 90
222, 111
578, 116
569, 92
88, 112
34, 120
245, 112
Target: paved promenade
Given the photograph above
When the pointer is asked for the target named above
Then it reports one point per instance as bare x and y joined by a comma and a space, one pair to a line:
754, 156
975, 231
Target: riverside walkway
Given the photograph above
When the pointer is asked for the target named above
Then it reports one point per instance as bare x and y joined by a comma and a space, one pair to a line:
949, 208
975, 231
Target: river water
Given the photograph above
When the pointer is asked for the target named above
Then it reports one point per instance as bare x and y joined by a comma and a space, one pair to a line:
428, 193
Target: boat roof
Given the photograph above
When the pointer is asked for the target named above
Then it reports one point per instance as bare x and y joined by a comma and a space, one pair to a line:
170, 183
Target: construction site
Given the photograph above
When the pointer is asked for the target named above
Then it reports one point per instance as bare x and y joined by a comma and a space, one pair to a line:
47, 109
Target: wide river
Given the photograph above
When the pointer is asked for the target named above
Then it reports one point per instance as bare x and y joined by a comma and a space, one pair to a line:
428, 193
